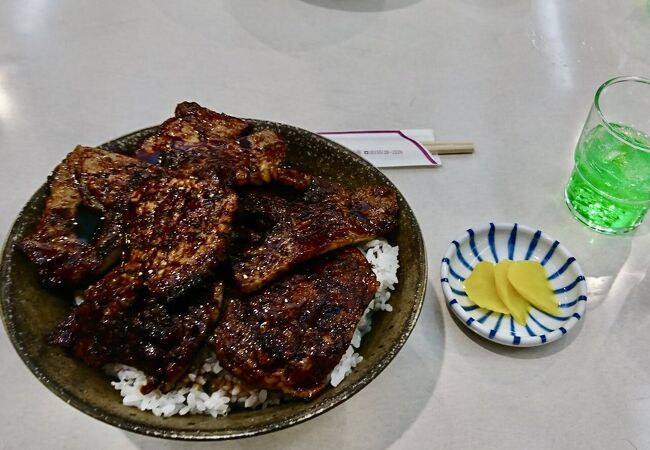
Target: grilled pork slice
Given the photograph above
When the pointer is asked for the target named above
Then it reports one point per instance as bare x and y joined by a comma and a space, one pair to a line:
81, 225
207, 144
263, 207
147, 312
254, 159
191, 124
115, 324
290, 336
178, 231
330, 216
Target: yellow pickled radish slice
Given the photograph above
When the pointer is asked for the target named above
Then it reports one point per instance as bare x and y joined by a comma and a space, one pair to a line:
530, 280
516, 304
481, 288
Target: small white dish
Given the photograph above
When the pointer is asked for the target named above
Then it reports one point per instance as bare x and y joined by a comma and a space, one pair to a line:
496, 242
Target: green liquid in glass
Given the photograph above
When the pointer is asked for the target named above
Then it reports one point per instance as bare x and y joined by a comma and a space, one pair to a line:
609, 189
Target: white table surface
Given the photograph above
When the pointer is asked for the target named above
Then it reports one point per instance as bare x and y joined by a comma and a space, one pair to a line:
515, 77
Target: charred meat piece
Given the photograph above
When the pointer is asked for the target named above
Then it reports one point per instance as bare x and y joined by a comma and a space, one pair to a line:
294, 178
242, 237
124, 327
254, 159
178, 231
191, 124
291, 335
264, 207
81, 225
85, 332
206, 144
329, 217
147, 312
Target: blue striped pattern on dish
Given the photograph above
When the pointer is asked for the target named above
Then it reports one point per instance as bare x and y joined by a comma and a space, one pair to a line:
513, 241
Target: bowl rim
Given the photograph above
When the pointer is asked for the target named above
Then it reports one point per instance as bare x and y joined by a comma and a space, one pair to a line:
485, 331
80, 404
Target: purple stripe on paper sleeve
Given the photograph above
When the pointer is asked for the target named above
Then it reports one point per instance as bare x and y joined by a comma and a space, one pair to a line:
424, 151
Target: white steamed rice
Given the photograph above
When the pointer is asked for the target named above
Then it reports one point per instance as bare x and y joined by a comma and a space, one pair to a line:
190, 397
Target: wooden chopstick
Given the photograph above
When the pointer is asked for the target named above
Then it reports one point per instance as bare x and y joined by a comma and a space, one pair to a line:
448, 148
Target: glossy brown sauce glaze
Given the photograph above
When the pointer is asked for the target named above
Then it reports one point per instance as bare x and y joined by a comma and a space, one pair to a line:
253, 159
174, 223
289, 336
206, 144
191, 124
89, 178
178, 232
329, 216
263, 207
119, 323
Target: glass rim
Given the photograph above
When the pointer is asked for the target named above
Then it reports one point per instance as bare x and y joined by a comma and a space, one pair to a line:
620, 136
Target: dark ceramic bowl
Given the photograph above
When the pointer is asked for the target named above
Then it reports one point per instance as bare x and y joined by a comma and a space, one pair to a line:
29, 312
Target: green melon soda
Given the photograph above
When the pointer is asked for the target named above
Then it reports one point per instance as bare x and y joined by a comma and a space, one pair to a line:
609, 188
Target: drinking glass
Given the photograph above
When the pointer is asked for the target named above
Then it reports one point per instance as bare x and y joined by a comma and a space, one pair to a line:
609, 188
